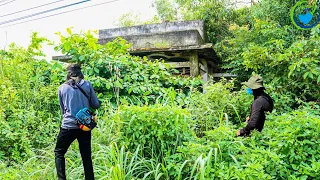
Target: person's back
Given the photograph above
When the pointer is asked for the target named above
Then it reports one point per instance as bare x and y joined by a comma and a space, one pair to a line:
262, 103
72, 100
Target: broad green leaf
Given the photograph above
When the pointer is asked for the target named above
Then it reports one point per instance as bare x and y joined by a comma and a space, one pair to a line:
310, 75
69, 31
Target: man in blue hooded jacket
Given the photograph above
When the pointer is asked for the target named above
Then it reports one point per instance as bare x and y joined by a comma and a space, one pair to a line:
72, 100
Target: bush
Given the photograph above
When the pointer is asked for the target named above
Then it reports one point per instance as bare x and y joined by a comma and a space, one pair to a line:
119, 77
219, 104
29, 110
287, 60
286, 149
158, 130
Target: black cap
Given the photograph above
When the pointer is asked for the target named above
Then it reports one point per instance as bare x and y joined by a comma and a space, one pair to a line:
74, 70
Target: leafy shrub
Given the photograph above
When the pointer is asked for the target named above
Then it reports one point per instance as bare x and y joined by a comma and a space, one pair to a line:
157, 140
28, 106
157, 129
286, 149
29, 109
288, 61
218, 104
119, 77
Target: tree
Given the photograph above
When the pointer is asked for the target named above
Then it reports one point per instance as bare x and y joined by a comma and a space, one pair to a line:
133, 19
276, 10
289, 63
129, 19
218, 15
167, 10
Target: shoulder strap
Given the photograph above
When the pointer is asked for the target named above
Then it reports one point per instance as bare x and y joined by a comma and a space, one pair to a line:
83, 91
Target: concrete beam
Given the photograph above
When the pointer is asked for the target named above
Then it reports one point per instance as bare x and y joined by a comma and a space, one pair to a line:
154, 29
62, 58
179, 64
161, 40
223, 75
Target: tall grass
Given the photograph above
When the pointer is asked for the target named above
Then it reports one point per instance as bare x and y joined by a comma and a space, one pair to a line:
110, 162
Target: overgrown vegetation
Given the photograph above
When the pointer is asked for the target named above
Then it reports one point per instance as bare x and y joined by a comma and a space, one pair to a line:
156, 126
28, 106
119, 77
290, 63
148, 128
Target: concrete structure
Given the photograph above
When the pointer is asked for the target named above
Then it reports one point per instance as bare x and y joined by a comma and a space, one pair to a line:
154, 29
182, 44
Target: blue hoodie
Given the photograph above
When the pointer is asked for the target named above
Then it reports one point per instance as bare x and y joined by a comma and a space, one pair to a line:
72, 100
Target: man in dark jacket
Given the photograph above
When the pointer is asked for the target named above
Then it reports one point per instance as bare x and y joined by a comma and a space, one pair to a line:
262, 103
72, 100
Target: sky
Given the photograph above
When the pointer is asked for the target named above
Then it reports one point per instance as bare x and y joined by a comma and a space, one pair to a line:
99, 17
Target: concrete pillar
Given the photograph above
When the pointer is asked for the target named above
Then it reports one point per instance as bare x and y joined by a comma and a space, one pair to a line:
194, 64
204, 70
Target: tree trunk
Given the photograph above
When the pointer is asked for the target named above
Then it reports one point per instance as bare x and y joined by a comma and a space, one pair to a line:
254, 3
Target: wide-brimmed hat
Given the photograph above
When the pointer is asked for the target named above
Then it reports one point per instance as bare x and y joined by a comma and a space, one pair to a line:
255, 82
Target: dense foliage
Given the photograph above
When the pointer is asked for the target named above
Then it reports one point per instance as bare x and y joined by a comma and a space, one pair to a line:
285, 150
217, 15
219, 104
158, 130
28, 106
290, 63
120, 77
259, 39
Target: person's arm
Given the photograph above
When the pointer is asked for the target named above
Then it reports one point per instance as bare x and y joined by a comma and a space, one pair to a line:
61, 101
254, 117
94, 102
247, 119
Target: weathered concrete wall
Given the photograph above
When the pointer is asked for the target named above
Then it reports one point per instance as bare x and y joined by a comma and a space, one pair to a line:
161, 40
154, 29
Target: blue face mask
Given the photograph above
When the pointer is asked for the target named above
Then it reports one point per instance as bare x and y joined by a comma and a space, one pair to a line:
249, 91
